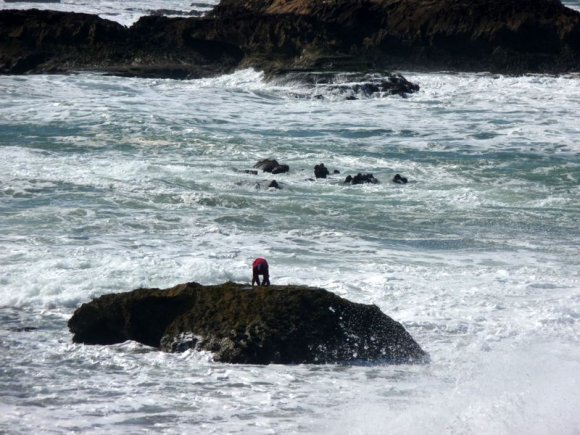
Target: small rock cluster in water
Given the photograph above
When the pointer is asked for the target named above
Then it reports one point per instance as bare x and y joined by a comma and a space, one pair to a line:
320, 171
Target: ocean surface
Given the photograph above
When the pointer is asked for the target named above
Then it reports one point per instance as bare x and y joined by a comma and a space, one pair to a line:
108, 184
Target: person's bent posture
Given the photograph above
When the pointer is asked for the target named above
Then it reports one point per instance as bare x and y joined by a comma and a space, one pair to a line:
260, 267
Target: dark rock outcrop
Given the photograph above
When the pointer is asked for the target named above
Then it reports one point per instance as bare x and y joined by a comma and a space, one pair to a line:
512, 36
398, 179
320, 171
508, 36
272, 166
280, 169
361, 179
350, 85
36, 41
241, 324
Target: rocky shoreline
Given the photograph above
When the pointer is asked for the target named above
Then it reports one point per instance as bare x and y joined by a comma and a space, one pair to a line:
282, 36
238, 323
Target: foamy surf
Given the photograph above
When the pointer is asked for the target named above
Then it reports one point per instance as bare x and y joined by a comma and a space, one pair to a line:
108, 184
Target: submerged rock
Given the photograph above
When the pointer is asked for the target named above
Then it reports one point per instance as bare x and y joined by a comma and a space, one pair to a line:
361, 179
281, 169
272, 166
398, 179
241, 324
348, 85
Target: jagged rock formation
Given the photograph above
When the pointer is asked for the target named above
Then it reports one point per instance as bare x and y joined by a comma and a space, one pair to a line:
494, 35
511, 36
58, 42
241, 324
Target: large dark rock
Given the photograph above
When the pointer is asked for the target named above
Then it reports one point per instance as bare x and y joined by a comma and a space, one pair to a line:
320, 171
241, 324
272, 166
513, 36
508, 36
37, 41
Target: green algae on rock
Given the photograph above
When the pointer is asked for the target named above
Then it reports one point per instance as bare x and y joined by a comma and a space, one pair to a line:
241, 324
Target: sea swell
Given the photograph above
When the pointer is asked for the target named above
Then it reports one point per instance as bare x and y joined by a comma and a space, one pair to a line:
109, 184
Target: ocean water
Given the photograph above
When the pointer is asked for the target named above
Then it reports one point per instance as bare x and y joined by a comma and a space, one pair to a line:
108, 184
125, 12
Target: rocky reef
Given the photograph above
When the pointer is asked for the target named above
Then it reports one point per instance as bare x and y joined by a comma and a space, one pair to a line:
241, 324
504, 35
277, 36
36, 41
512, 36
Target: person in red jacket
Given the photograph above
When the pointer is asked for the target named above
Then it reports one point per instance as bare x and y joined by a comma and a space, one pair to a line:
260, 267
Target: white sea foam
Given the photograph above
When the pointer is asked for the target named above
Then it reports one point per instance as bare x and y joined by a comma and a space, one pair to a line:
126, 12
130, 11
500, 394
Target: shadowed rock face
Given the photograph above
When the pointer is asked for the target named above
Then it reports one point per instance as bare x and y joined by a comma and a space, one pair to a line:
241, 324
492, 35
58, 42
510, 36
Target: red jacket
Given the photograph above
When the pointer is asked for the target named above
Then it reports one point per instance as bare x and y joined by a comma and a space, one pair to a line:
260, 264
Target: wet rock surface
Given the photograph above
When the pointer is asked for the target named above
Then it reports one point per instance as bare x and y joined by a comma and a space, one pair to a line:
510, 36
361, 179
347, 85
35, 41
272, 166
241, 324
289, 36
